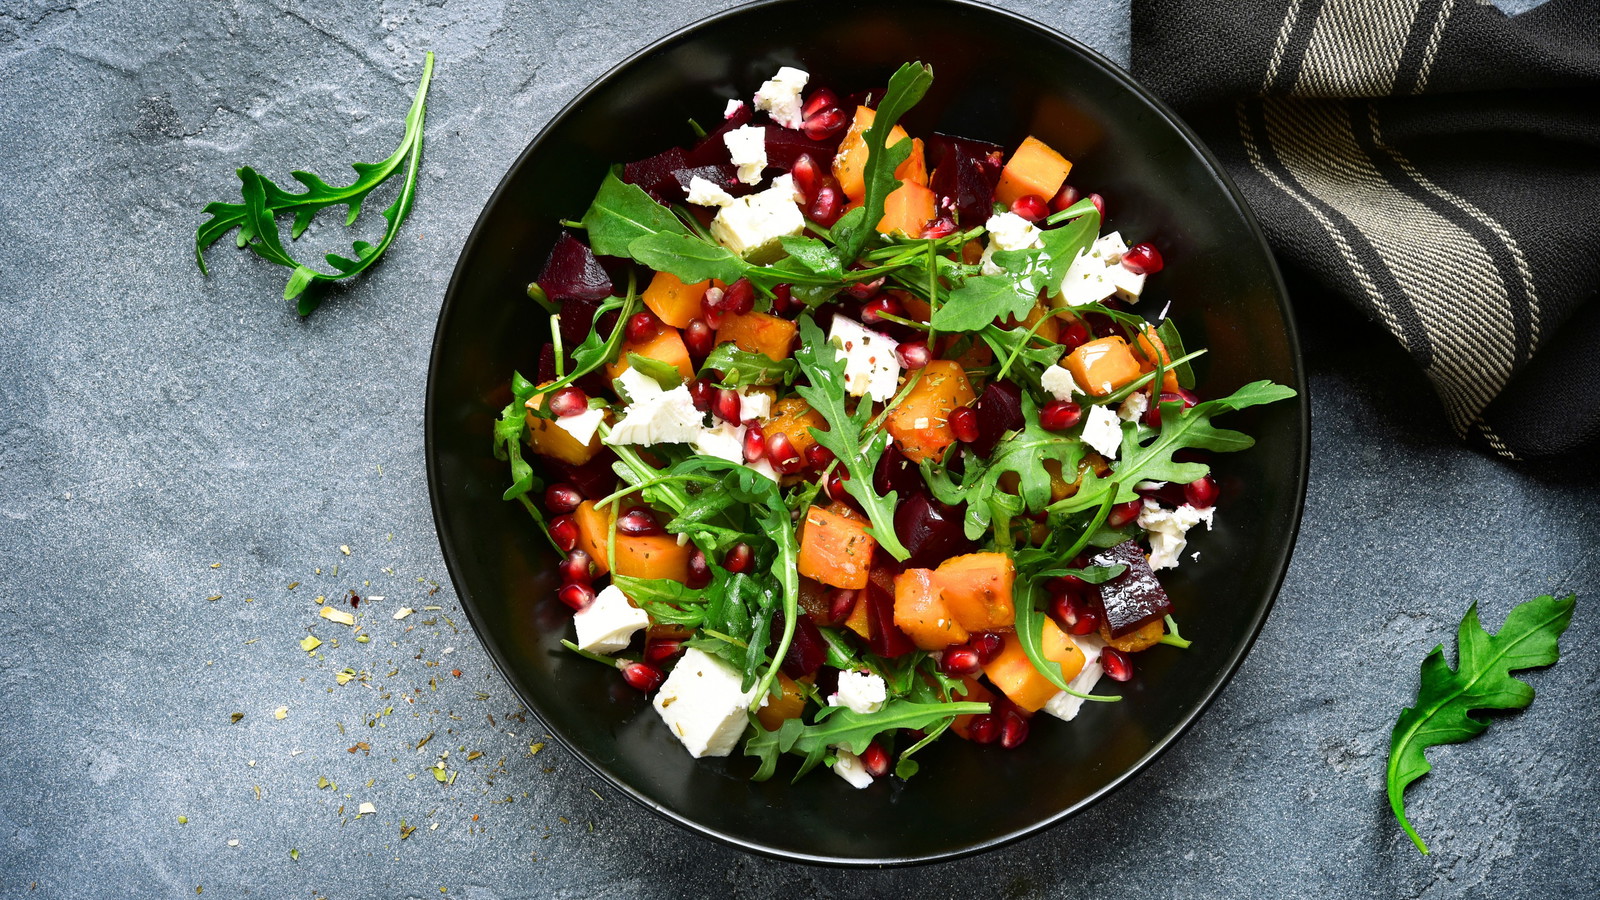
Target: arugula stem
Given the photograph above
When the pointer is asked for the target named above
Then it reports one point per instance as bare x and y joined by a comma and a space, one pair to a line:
1172, 638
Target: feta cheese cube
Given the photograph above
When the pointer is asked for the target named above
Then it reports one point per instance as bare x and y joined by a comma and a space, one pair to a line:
667, 417
754, 405
862, 692
1169, 530
870, 366
1133, 407
1060, 383
1102, 430
725, 441
1009, 231
751, 226
779, 96
583, 425
849, 766
1063, 705
747, 147
702, 704
702, 192
639, 386
765, 468
608, 624
1098, 273
732, 109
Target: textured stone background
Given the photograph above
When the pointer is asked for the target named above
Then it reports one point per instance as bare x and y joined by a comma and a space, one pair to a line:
169, 438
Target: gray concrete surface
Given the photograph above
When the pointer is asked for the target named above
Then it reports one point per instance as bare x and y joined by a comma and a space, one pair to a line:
169, 438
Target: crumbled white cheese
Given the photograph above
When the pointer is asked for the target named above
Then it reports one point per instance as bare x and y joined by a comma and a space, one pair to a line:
583, 425
1098, 273
1102, 430
1063, 705
751, 226
1169, 530
702, 192
1007, 231
779, 96
784, 186
763, 466
754, 405
1133, 407
639, 386
732, 109
870, 366
1150, 485
667, 417
1060, 383
703, 705
848, 766
862, 692
724, 441
608, 624
747, 147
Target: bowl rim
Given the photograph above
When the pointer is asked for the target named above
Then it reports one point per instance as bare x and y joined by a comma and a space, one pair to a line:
1160, 746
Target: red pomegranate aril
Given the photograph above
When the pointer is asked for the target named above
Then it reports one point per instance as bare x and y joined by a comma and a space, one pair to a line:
699, 571
875, 760
702, 391
958, 661
1013, 730
1142, 259
576, 595
1059, 415
806, 174
564, 531
569, 401
988, 646
739, 297
643, 676
1074, 335
755, 443
820, 99
1099, 204
1117, 665
785, 458
827, 205
863, 290
1123, 513
659, 651
562, 498
727, 405
824, 124
738, 558
944, 226
641, 327
712, 307
834, 486
1068, 584
1031, 207
577, 568
1152, 416
913, 354
1201, 493
872, 311
841, 602
783, 302
984, 728
964, 422
1076, 615
699, 338
638, 523
1065, 197
819, 456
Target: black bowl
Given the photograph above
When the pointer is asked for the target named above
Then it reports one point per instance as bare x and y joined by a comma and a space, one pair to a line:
998, 77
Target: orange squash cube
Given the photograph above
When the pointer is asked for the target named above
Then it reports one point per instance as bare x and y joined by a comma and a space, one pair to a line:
653, 556
789, 705
594, 531
835, 550
978, 590
665, 345
759, 333
795, 418
673, 301
920, 611
976, 693
1149, 346
907, 210
1016, 677
1033, 169
857, 620
920, 424
546, 438
850, 164
1101, 366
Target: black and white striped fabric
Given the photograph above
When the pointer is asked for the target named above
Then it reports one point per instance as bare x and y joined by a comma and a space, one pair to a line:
1437, 162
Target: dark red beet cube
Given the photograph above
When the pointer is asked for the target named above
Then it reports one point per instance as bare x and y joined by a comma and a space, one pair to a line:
655, 174
784, 146
571, 272
999, 410
896, 473
594, 479
807, 651
725, 176
884, 637
712, 150
931, 530
1133, 599
964, 177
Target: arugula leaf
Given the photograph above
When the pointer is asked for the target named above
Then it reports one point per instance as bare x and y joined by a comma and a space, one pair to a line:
1065, 242
263, 201
982, 299
1030, 633
621, 213
842, 726
671, 601
689, 257
1482, 679
857, 453
817, 257
596, 351
508, 434
1167, 332
1024, 454
906, 87
742, 368
663, 373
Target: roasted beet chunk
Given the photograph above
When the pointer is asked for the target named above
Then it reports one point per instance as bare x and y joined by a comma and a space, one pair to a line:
884, 637
784, 146
964, 177
1133, 599
896, 473
712, 150
572, 273
654, 175
931, 530
807, 652
725, 176
594, 479
999, 410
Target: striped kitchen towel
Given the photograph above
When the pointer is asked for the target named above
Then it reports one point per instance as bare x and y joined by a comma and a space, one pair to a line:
1437, 162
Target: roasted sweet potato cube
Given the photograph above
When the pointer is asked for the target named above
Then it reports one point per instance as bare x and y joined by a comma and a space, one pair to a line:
907, 209
673, 301
546, 438
850, 164
666, 345
653, 556
1016, 677
795, 418
978, 590
835, 550
759, 333
1033, 169
920, 424
921, 612
1103, 365
594, 530
787, 706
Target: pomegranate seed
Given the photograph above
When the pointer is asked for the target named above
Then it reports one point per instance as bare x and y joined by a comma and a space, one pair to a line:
1065, 197
638, 523
727, 405
863, 290
699, 571
820, 99
1031, 207
964, 422
564, 531
562, 498
841, 602
785, 458
738, 558
577, 568
783, 302
569, 401
700, 338
739, 298
1152, 416
703, 390
827, 205
983, 729
755, 443
1099, 204
1202, 493
641, 327
872, 310
1123, 513
1142, 259
913, 354
712, 307
1059, 415
834, 486
988, 646
643, 676
944, 226
824, 124
576, 595
806, 175
1068, 584
1013, 729
659, 651
875, 760
819, 456
1076, 615
1117, 665
959, 661
1074, 335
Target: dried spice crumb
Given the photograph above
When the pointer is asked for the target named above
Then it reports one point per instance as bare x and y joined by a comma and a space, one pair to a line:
293, 585
183, 820
533, 749
293, 853
406, 830
216, 565
337, 615
345, 549
403, 611
214, 597
234, 719
310, 642
366, 809
323, 783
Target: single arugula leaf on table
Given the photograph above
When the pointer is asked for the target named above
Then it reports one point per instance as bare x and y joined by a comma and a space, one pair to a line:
857, 227
1446, 697
256, 217
857, 453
